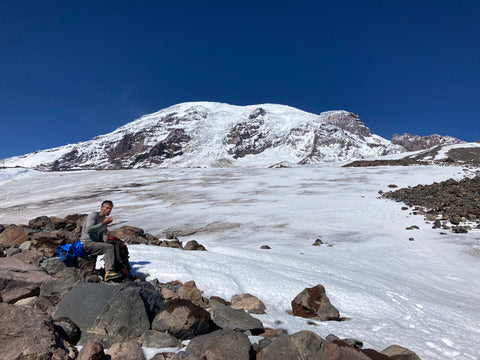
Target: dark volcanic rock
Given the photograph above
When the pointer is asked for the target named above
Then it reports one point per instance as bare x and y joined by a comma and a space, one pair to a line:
170, 147
249, 137
313, 303
451, 200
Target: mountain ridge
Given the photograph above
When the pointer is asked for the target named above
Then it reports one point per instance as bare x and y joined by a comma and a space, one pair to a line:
211, 134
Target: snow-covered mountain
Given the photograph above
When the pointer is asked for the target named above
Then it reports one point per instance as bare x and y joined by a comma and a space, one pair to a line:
208, 134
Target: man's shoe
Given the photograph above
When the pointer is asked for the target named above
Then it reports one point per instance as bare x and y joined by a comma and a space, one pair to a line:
112, 275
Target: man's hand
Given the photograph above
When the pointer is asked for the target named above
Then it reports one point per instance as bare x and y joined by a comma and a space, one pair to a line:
107, 221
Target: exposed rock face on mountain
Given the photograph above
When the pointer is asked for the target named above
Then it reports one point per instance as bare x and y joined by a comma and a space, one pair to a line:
465, 154
207, 134
415, 142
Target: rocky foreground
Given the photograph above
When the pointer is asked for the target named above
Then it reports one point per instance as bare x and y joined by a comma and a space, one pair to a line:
50, 308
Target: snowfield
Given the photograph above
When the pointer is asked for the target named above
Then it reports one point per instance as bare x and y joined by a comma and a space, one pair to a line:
422, 294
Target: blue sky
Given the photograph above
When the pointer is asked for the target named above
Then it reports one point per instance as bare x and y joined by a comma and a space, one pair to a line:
72, 70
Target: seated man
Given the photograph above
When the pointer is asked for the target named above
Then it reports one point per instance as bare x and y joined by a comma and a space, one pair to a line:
93, 230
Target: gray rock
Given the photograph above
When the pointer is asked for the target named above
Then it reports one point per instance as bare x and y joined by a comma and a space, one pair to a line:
237, 320
110, 313
125, 315
221, 344
55, 290
13, 251
53, 265
86, 302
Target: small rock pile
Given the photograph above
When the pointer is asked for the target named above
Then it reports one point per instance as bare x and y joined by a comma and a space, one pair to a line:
449, 201
49, 309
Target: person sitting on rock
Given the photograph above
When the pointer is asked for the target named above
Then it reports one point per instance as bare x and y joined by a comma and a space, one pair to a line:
93, 230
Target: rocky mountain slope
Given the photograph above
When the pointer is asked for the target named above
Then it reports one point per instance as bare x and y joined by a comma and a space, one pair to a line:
207, 134
415, 142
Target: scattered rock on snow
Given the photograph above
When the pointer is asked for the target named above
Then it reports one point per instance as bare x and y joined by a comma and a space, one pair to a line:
313, 303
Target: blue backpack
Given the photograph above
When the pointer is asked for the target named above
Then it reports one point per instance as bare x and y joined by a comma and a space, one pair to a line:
71, 251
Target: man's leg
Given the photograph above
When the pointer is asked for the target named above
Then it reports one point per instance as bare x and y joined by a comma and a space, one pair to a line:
98, 248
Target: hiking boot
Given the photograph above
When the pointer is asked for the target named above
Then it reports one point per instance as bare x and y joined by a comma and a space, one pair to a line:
112, 275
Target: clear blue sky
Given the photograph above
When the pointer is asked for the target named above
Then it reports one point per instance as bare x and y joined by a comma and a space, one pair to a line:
72, 70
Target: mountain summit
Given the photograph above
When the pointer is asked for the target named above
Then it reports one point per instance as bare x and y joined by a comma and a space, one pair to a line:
208, 134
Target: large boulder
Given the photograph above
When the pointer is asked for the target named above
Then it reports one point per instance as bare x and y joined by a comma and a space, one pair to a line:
110, 313
126, 316
183, 319
313, 303
85, 302
237, 320
30, 334
19, 280
221, 344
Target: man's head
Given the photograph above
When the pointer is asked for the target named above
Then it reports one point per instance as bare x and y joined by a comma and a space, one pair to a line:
106, 208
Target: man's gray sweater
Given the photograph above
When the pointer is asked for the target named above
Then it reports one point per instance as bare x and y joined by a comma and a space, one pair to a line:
92, 229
